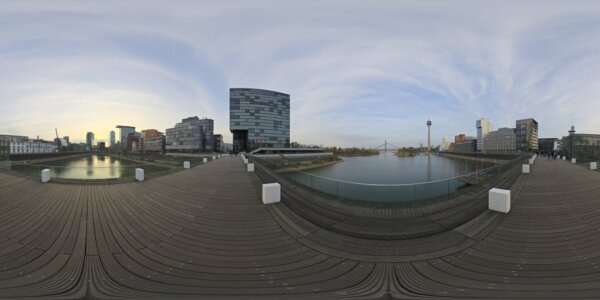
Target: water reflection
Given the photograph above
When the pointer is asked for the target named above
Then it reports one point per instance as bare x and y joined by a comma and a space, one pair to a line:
90, 167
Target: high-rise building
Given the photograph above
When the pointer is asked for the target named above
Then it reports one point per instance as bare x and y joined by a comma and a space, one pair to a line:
112, 138
125, 131
502, 140
89, 140
445, 146
484, 126
191, 135
259, 118
527, 135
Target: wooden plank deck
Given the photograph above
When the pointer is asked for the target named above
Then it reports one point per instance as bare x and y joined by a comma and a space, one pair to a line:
204, 233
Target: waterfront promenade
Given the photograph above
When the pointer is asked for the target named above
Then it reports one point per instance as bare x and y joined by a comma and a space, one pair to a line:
205, 232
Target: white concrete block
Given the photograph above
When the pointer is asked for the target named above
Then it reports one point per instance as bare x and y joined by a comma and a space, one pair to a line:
245, 160
139, 174
205, 160
45, 175
573, 160
525, 169
499, 200
271, 193
564, 158
214, 157
250, 167
531, 161
186, 164
593, 166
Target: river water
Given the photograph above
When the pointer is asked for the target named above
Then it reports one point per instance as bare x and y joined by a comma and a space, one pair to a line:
389, 178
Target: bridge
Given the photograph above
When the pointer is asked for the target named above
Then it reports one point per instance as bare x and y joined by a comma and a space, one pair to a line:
204, 233
386, 147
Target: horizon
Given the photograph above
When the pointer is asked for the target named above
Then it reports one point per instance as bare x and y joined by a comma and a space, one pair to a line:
356, 75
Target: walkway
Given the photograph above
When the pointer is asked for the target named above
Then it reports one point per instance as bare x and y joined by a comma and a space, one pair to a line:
204, 232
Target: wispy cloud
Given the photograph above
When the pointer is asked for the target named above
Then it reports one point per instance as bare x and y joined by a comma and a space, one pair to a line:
358, 72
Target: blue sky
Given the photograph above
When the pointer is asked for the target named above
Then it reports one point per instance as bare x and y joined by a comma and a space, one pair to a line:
358, 72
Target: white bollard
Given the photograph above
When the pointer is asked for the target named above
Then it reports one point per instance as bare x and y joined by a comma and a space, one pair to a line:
271, 193
564, 158
531, 161
45, 175
525, 169
499, 200
593, 166
205, 160
250, 167
573, 160
186, 164
139, 174
245, 160
213, 158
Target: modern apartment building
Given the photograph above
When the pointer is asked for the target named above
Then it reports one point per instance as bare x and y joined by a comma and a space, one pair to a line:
4, 148
152, 141
502, 140
191, 135
218, 144
484, 126
527, 135
259, 118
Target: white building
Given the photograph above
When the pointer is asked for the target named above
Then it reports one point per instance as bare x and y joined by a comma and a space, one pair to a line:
445, 144
484, 126
25, 145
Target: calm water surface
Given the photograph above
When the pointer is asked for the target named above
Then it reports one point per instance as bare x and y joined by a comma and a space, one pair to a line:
391, 169
389, 178
90, 167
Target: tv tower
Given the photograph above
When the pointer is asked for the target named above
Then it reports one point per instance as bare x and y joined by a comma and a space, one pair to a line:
428, 136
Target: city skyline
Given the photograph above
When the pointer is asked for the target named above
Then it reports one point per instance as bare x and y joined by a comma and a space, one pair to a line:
357, 75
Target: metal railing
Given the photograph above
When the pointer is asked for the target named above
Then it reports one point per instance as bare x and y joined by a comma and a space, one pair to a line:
408, 192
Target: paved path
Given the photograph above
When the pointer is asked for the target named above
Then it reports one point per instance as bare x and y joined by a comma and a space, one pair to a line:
204, 232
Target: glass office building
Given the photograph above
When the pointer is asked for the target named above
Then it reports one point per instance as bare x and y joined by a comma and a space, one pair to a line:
191, 135
259, 119
583, 147
4, 148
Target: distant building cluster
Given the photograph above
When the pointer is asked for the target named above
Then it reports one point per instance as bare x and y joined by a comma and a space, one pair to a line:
522, 138
258, 119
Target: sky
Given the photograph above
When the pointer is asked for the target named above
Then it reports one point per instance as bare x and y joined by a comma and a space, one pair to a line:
358, 72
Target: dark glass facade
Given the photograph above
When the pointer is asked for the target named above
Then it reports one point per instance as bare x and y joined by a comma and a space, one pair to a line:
259, 119
191, 135
4, 148
583, 147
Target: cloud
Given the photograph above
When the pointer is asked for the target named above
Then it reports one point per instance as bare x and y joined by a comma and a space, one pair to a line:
363, 71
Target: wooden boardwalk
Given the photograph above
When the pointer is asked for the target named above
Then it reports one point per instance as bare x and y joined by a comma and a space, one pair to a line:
204, 233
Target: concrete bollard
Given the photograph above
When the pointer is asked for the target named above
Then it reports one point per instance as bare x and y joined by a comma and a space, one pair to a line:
525, 169
186, 164
573, 160
139, 174
45, 175
213, 158
564, 158
250, 167
593, 166
499, 200
271, 193
205, 160
531, 161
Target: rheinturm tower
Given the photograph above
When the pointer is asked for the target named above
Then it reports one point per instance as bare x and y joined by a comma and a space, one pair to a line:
428, 136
